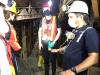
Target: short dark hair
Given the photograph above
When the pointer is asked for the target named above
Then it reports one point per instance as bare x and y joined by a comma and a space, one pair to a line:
85, 17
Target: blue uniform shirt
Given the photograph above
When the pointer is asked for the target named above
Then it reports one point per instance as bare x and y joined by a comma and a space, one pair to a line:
79, 48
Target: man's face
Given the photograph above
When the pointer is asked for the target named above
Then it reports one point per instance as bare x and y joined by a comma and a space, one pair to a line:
46, 11
12, 16
72, 20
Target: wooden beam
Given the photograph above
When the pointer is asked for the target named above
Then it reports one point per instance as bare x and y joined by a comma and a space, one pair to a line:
95, 8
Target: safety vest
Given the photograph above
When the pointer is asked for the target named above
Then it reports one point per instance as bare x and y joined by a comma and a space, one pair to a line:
13, 40
11, 43
49, 31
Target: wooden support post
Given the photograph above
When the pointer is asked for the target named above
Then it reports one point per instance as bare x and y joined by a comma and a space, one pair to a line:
29, 38
24, 48
95, 8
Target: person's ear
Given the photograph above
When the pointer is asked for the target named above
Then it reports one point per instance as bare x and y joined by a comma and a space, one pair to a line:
81, 17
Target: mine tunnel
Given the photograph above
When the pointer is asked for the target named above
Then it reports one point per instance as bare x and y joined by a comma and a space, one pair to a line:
26, 24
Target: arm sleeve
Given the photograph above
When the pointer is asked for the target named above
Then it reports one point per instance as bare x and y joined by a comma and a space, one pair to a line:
92, 41
58, 23
4, 64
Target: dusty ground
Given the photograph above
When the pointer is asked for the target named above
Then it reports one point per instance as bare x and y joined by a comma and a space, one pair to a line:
29, 67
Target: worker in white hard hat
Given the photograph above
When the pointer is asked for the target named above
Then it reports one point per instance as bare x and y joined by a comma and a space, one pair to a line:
4, 63
82, 51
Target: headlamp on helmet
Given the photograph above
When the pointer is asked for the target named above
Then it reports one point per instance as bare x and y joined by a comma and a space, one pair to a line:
10, 3
66, 5
49, 3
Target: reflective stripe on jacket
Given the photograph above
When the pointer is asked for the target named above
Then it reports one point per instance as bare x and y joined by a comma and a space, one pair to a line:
49, 31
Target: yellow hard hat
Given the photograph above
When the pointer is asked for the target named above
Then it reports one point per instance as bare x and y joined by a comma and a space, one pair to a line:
13, 8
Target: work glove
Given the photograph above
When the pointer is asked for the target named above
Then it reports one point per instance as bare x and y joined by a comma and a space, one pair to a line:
50, 44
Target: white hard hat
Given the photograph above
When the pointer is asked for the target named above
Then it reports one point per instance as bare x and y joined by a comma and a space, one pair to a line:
5, 2
64, 7
78, 6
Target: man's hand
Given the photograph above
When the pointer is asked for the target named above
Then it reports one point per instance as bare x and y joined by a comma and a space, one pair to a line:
54, 50
62, 49
67, 72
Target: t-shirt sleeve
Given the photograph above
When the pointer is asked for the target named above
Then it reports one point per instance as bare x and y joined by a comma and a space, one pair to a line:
91, 41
